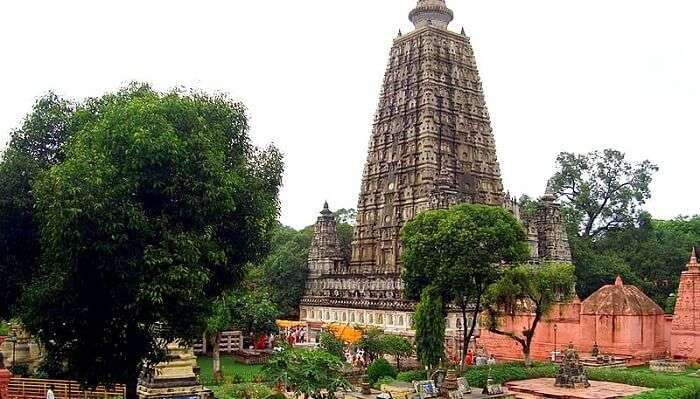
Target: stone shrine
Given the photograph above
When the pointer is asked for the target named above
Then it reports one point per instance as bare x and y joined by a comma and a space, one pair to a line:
431, 146
570, 373
173, 378
685, 329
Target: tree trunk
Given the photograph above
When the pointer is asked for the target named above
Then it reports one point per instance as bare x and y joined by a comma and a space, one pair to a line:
216, 358
465, 343
398, 363
131, 388
528, 359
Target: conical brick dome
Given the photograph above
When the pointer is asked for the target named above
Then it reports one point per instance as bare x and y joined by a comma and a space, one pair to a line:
620, 300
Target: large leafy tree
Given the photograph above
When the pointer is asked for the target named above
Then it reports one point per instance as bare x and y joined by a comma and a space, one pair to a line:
36, 146
601, 190
160, 201
527, 289
459, 251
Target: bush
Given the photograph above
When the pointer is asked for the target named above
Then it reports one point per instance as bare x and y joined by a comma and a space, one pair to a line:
4, 329
331, 344
410, 376
242, 391
378, 369
504, 372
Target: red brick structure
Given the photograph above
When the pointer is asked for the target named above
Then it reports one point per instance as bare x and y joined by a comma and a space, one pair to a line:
618, 317
5, 377
685, 329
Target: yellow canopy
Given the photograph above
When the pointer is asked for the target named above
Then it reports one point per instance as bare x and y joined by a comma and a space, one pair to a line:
345, 332
290, 323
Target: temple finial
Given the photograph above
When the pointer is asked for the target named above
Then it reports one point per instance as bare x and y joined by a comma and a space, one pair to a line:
463, 33
431, 13
619, 282
693, 265
400, 34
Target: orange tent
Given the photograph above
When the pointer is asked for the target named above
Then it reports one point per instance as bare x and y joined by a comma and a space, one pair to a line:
290, 324
345, 332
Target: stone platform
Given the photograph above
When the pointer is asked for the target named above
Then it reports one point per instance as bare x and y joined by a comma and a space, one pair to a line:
544, 388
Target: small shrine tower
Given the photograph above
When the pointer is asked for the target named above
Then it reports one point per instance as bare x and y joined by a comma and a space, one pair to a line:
685, 330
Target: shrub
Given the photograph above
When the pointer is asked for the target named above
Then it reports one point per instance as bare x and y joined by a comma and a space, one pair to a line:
504, 372
331, 344
4, 329
378, 369
410, 376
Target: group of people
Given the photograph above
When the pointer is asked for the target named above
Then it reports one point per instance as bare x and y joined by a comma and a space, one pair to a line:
478, 359
296, 335
356, 358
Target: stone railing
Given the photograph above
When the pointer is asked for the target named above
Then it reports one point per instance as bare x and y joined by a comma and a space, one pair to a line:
668, 366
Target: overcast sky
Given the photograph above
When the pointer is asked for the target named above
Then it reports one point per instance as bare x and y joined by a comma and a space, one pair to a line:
558, 75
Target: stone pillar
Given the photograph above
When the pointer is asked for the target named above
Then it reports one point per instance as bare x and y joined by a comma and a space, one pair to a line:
5, 377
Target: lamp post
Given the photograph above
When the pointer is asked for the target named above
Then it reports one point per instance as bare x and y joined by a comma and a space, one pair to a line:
13, 339
554, 355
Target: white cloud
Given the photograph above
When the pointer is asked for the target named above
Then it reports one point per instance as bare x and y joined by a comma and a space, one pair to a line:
559, 76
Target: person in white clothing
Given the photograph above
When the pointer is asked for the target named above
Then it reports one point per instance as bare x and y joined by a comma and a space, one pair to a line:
49, 392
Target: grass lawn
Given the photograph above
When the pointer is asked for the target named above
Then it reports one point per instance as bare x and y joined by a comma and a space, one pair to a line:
233, 371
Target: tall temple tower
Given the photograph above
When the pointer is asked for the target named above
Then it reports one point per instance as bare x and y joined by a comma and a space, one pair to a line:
431, 147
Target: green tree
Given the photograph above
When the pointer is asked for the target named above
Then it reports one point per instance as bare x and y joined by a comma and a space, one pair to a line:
308, 372
284, 271
531, 289
331, 344
601, 190
429, 324
34, 147
245, 309
457, 251
396, 346
159, 203
371, 342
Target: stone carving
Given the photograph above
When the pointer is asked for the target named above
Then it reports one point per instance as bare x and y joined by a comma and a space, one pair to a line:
571, 373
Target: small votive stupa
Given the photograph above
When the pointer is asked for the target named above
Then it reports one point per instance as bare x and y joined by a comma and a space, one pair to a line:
173, 378
571, 373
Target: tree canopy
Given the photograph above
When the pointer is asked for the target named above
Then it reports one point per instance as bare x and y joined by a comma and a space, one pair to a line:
601, 190
36, 146
458, 251
531, 289
159, 202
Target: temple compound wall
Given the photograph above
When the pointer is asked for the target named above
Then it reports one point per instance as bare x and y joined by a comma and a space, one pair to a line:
620, 319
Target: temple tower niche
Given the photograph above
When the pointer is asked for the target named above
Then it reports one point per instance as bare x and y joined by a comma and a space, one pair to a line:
325, 255
431, 146
552, 239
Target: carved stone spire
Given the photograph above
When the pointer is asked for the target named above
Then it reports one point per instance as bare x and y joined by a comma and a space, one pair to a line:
431, 12
693, 265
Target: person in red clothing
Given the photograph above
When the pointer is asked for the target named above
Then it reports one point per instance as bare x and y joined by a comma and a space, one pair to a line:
469, 359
